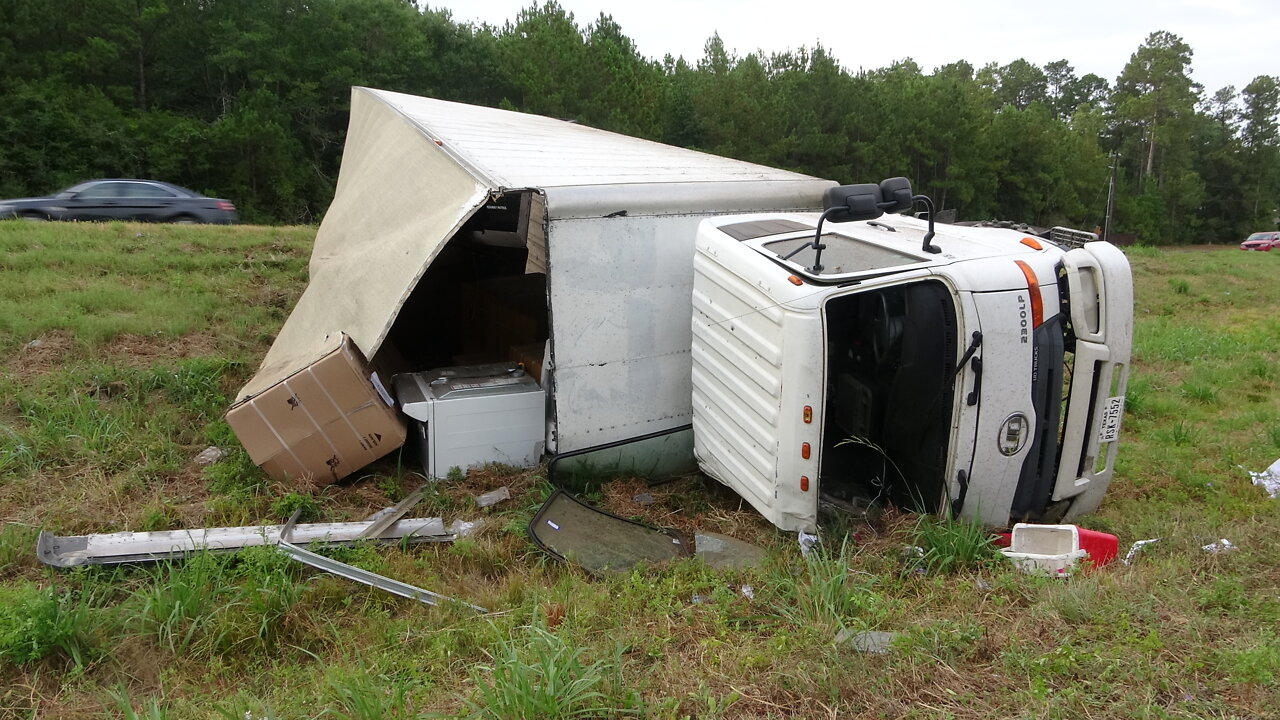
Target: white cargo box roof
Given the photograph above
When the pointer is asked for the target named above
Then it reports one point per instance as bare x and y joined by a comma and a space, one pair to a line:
415, 169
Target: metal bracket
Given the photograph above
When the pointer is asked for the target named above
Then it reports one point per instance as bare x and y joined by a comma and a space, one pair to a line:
351, 572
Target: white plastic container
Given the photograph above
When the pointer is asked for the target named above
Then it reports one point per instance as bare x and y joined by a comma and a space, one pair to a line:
1045, 549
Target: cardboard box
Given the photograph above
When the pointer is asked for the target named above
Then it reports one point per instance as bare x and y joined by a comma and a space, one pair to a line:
321, 423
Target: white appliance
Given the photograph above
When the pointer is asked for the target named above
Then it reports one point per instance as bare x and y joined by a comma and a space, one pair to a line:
475, 414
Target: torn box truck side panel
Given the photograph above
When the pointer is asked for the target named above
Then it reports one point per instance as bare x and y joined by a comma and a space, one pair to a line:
462, 236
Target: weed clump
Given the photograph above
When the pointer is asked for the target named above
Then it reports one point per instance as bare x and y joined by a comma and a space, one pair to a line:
38, 622
306, 505
235, 475
827, 594
541, 675
210, 604
954, 546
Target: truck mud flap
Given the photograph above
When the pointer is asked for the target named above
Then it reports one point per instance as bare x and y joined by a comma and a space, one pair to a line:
597, 541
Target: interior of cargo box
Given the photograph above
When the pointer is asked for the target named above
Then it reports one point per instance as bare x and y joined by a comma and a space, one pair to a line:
484, 297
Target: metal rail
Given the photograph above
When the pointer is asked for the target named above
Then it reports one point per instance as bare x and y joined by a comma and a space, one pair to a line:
135, 547
351, 572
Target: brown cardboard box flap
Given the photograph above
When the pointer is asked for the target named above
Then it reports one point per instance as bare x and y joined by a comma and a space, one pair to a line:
322, 422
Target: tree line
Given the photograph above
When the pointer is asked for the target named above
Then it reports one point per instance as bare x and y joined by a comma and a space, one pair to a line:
248, 100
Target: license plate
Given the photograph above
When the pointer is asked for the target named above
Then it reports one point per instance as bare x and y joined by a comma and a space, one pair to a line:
1109, 428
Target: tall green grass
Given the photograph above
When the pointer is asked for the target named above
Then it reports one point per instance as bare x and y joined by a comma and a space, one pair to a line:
37, 622
829, 593
954, 546
147, 332
538, 675
99, 281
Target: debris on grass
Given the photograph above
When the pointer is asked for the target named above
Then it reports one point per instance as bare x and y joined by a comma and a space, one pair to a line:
372, 579
1220, 546
867, 641
1045, 549
389, 515
571, 530
807, 542
1268, 480
465, 528
643, 499
1133, 550
209, 456
135, 547
726, 553
911, 553
493, 497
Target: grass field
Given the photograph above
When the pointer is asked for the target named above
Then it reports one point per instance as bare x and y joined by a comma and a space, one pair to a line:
120, 346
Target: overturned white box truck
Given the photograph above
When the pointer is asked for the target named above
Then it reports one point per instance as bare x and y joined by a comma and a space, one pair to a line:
591, 299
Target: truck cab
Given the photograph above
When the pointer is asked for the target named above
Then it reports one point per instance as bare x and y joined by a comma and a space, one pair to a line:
972, 372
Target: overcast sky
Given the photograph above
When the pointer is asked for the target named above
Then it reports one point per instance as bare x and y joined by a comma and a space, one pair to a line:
1233, 40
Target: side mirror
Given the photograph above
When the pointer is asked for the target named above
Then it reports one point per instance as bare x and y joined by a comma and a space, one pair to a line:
847, 203
896, 194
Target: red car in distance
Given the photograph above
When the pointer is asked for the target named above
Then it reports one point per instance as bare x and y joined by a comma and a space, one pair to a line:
1263, 241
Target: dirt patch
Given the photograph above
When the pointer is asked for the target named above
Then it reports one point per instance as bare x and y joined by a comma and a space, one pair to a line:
41, 355
688, 505
186, 493
44, 694
146, 351
1207, 247
657, 505
483, 479
54, 350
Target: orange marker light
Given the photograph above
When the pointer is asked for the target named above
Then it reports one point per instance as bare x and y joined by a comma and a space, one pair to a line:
804, 483
1033, 286
795, 280
804, 450
808, 414
1031, 243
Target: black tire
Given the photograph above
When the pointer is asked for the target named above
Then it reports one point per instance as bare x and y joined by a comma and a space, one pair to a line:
184, 220
34, 217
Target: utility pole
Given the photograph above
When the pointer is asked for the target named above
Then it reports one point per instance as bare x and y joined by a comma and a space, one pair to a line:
1111, 196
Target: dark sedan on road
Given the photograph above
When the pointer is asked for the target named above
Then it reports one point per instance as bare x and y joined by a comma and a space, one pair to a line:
138, 200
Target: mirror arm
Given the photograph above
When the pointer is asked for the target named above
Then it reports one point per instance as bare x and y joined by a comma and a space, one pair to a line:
928, 236
817, 245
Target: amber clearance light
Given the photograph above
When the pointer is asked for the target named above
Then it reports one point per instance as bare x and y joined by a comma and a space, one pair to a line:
1033, 286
